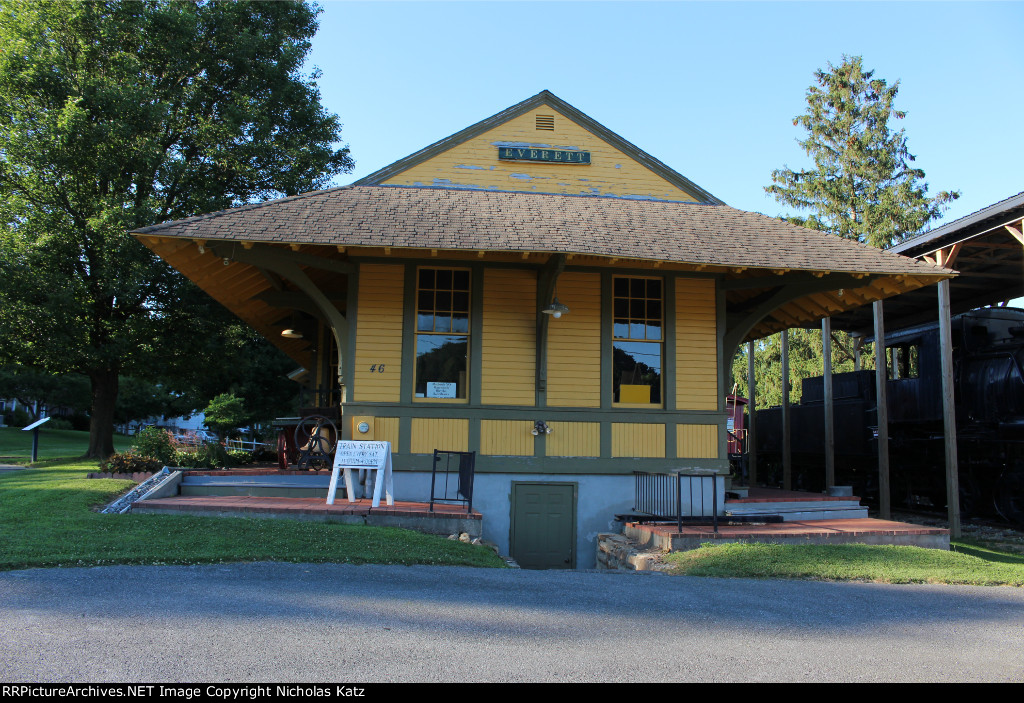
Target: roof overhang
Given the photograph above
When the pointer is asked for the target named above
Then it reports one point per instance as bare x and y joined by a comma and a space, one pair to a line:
986, 248
774, 275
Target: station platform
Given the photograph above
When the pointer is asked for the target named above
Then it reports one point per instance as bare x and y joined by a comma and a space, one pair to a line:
444, 520
833, 531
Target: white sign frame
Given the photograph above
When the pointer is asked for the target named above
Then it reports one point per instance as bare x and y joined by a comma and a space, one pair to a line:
35, 424
366, 455
437, 389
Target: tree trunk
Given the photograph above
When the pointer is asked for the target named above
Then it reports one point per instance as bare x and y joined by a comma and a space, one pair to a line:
101, 415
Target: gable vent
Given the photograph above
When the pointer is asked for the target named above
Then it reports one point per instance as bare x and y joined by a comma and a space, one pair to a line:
546, 122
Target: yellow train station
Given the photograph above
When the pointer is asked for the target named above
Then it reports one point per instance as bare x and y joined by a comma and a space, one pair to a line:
535, 289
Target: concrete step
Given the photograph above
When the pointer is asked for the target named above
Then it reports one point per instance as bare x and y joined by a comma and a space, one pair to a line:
800, 510
269, 486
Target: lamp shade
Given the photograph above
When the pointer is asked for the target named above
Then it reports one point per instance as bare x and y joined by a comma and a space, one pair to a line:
556, 308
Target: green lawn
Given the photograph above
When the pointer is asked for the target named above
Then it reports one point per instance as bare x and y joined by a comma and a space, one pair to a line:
47, 519
16, 444
967, 563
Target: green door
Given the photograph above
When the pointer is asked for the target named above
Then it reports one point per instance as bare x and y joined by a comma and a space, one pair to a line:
544, 525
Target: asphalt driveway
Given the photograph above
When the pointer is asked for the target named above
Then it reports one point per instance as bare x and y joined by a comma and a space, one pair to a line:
341, 623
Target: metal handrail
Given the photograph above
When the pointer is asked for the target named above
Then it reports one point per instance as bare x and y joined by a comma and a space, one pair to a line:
654, 495
466, 473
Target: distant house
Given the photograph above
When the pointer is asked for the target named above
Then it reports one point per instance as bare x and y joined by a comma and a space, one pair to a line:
423, 298
194, 422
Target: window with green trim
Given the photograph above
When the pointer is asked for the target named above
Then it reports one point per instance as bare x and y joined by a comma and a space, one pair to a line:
442, 333
637, 339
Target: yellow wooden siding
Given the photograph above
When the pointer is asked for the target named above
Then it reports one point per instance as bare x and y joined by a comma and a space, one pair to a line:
508, 342
385, 429
429, 433
379, 333
638, 439
382, 429
697, 441
696, 345
371, 432
574, 439
475, 163
506, 437
574, 343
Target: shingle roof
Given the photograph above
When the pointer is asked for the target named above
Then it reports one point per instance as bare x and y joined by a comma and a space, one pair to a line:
435, 218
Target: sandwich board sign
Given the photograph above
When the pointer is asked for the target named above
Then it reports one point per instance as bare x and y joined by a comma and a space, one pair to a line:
363, 456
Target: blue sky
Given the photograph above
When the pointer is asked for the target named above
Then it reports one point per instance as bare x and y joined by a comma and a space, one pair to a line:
710, 88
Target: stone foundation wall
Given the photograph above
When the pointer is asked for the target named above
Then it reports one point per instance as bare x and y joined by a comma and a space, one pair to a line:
619, 553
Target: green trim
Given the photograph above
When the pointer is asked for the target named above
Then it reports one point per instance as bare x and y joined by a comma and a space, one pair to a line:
725, 365
606, 440
352, 315
473, 438
476, 333
525, 412
547, 282
566, 110
668, 363
607, 354
580, 466
405, 385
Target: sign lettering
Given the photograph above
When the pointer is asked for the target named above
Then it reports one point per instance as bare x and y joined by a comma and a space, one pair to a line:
508, 153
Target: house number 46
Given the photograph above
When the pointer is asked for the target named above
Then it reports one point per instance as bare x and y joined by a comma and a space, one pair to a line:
377, 368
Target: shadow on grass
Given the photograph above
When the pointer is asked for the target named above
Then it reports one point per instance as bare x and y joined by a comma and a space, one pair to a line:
987, 552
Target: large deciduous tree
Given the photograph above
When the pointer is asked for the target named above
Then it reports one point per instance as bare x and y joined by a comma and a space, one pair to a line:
862, 185
117, 115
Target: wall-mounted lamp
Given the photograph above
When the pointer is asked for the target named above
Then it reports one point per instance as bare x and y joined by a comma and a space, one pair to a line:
540, 427
556, 309
291, 334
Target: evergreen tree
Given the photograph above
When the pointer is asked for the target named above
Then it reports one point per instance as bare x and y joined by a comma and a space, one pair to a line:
862, 185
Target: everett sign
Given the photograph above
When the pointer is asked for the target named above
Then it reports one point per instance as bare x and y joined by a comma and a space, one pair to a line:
515, 153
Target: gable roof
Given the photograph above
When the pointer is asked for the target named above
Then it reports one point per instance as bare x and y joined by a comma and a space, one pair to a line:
545, 98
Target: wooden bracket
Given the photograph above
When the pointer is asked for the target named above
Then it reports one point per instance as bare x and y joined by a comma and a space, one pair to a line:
946, 257
1016, 233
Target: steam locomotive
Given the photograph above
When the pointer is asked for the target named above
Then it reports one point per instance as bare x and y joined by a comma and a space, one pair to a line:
988, 361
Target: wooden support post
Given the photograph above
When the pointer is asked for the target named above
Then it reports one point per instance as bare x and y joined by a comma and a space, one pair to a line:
949, 411
787, 457
881, 382
858, 343
830, 441
751, 418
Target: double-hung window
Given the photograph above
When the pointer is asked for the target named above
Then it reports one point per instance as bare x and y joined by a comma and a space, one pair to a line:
637, 340
442, 333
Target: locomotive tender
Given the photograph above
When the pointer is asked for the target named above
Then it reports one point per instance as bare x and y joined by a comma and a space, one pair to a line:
988, 378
